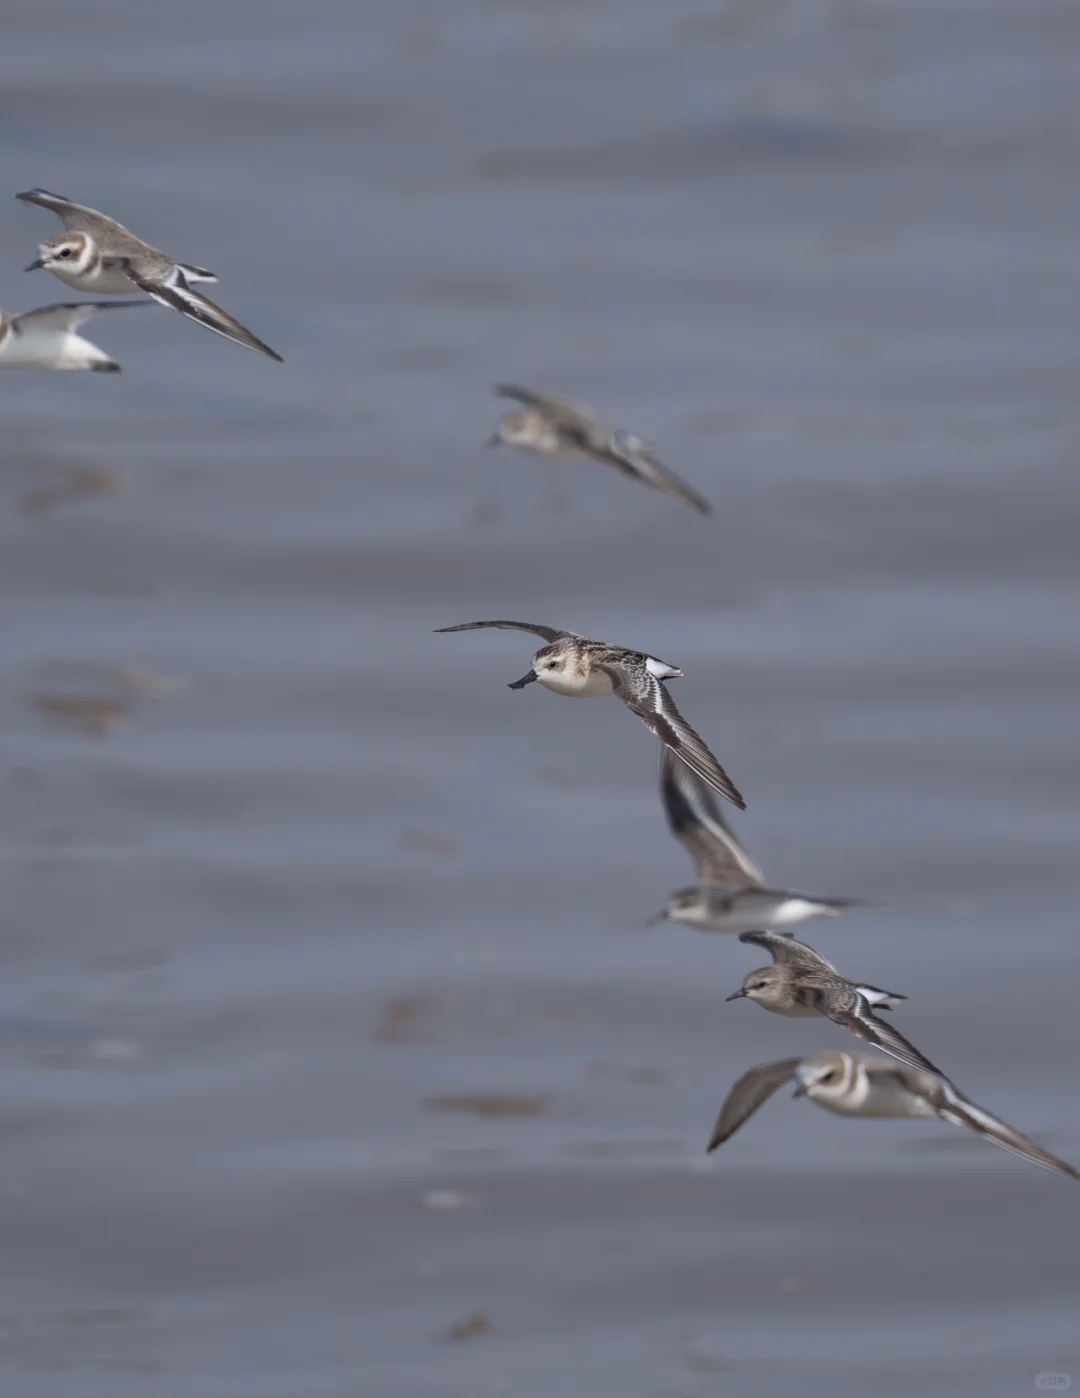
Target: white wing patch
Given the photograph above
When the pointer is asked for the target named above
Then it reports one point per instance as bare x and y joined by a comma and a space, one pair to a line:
878, 997
795, 910
661, 670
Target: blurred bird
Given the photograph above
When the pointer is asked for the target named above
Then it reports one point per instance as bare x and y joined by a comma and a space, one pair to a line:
555, 427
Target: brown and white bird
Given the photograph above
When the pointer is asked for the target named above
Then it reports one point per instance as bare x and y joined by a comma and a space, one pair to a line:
98, 255
578, 668
802, 984
555, 427
854, 1084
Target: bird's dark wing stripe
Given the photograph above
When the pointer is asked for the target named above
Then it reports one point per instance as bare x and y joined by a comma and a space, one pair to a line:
175, 293
861, 1021
546, 633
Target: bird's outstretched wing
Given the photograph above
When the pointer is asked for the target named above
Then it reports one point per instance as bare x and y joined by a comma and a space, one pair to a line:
564, 414
175, 292
747, 1094
646, 696
784, 949
546, 633
955, 1107
853, 1013
636, 458
75, 217
697, 824
68, 315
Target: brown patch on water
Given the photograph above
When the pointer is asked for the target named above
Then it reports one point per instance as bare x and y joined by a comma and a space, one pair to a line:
491, 1105
470, 1328
145, 684
395, 1024
77, 483
96, 715
426, 842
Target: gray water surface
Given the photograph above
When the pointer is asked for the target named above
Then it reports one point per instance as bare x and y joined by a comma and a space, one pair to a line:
336, 1059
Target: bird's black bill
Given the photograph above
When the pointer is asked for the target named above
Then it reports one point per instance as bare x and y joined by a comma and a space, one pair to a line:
800, 1091
525, 679
35, 266
493, 440
661, 916
739, 994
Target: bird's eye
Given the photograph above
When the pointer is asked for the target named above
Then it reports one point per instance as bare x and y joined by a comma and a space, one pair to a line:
830, 1076
65, 252
552, 665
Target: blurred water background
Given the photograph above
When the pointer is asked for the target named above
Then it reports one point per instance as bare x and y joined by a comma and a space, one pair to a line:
336, 1059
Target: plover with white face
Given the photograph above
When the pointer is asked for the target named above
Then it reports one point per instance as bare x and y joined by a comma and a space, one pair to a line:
555, 427
731, 895
48, 337
578, 668
854, 1084
801, 984
98, 255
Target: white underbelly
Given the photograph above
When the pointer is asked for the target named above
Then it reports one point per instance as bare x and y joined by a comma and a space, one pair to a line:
880, 1100
598, 683
595, 684
58, 351
793, 1012
107, 282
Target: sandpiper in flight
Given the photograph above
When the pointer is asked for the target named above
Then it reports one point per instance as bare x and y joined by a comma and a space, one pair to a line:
731, 895
99, 255
854, 1084
555, 427
800, 983
571, 665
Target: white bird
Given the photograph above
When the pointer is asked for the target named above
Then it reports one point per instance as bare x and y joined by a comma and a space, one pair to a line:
47, 338
731, 895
